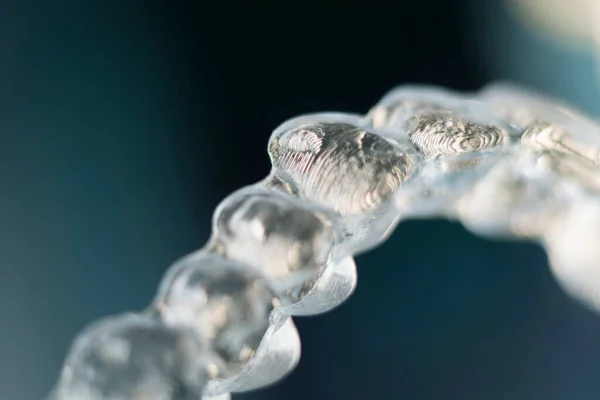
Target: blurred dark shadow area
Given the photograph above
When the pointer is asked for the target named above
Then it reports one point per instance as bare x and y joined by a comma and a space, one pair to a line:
123, 123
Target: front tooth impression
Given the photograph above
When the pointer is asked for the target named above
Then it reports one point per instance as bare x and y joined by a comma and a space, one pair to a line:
341, 166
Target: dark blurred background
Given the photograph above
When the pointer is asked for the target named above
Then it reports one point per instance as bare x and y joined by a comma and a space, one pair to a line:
123, 123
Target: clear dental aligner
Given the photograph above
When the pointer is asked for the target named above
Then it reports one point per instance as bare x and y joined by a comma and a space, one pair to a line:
506, 163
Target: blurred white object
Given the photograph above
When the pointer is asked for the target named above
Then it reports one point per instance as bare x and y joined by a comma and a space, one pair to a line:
573, 23
572, 20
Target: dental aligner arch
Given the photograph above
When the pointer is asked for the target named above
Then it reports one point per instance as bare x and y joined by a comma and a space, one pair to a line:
504, 162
